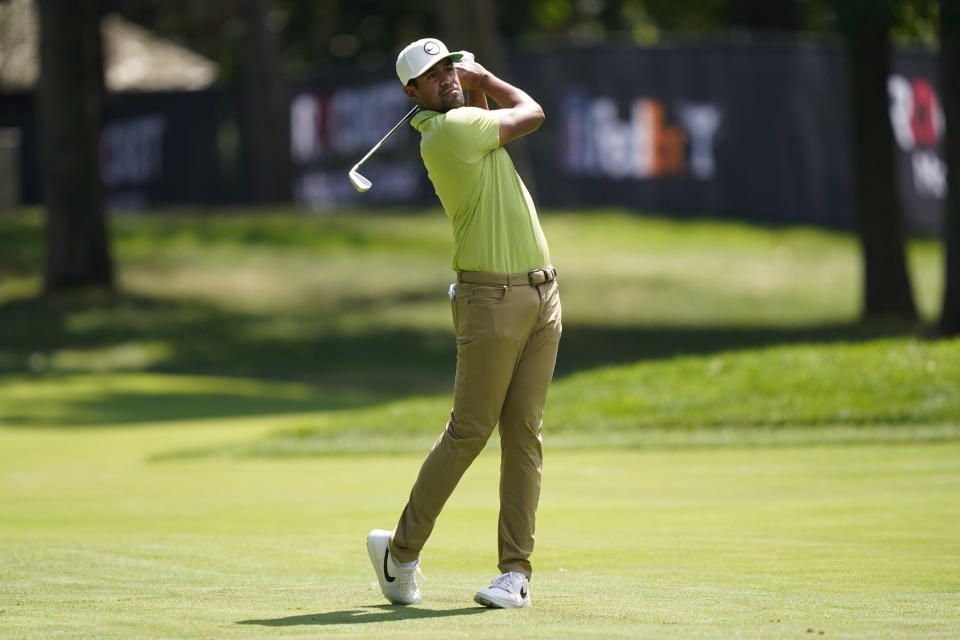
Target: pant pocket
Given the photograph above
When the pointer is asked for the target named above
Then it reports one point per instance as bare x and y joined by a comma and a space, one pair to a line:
485, 294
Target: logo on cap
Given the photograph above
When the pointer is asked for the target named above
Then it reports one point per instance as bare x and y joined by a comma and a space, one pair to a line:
431, 47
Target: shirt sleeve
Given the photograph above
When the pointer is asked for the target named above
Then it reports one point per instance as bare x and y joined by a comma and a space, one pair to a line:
470, 133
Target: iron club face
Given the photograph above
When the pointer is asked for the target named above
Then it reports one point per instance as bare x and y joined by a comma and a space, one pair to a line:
359, 183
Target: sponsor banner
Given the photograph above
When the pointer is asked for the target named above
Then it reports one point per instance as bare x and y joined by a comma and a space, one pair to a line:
756, 132
745, 131
161, 148
333, 127
749, 132
752, 131
155, 148
919, 126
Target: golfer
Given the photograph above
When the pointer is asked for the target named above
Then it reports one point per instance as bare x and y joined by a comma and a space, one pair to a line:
506, 314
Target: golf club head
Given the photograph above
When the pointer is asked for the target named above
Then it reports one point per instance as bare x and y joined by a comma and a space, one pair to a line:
359, 183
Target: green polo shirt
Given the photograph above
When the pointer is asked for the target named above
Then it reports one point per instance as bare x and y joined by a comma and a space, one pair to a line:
495, 225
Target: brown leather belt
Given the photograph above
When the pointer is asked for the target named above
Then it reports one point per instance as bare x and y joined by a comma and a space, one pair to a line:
532, 278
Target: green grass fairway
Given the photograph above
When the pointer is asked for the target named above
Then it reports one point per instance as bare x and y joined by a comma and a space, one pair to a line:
730, 453
98, 542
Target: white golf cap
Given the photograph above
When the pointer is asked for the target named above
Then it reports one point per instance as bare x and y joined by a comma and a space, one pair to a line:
419, 56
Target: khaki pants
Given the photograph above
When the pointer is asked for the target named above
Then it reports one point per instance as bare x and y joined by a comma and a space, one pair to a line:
507, 336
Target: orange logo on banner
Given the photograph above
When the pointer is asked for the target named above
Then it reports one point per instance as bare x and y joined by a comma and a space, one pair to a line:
660, 147
647, 144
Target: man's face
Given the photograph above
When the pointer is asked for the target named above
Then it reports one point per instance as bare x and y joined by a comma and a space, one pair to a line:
438, 88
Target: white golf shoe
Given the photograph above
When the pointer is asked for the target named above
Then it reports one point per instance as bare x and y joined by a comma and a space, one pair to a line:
508, 591
398, 584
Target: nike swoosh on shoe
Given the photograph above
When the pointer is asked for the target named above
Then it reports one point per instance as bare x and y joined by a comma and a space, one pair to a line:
386, 572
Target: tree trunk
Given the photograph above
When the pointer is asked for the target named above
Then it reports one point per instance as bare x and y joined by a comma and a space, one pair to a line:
474, 26
950, 83
886, 288
69, 98
266, 107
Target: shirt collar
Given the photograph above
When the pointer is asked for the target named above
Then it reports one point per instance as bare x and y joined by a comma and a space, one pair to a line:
419, 121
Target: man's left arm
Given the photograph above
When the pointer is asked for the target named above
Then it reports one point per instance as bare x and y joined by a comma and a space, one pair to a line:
519, 113
477, 98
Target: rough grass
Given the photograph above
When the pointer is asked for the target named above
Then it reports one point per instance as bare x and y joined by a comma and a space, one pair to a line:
894, 390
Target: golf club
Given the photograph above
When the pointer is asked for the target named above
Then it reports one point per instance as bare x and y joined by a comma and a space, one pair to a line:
359, 182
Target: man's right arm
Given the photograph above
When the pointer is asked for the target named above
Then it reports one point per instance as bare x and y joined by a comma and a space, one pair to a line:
519, 114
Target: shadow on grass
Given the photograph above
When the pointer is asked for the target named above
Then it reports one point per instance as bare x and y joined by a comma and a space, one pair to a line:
204, 339
365, 615
345, 368
130, 407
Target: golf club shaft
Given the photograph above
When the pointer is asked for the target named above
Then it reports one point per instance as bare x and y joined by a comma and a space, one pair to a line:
384, 138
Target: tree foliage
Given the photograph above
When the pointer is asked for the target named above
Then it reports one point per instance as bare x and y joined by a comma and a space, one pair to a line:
367, 34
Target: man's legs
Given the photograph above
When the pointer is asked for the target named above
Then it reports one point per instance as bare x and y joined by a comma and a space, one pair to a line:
520, 442
492, 325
